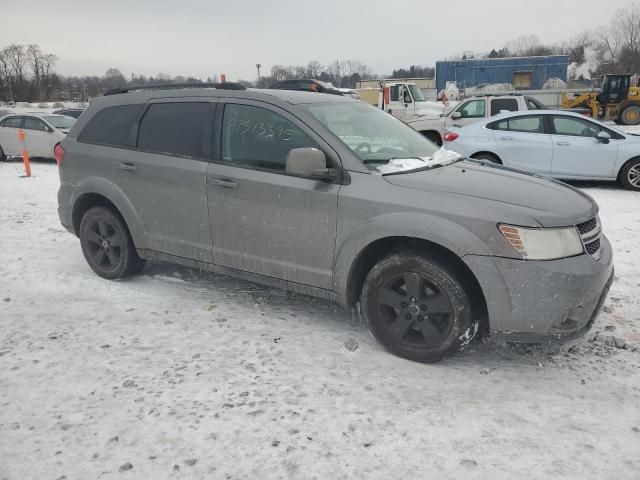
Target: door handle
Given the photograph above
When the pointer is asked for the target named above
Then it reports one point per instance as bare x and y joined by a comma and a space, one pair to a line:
507, 138
129, 167
563, 144
222, 182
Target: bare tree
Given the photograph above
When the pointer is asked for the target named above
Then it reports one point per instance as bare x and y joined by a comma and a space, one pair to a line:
35, 58
6, 73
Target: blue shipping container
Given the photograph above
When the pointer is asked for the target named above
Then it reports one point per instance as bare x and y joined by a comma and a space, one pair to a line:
522, 72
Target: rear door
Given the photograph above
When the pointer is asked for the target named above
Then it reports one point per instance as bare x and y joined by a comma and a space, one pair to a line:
164, 176
500, 105
576, 150
9, 135
264, 220
523, 142
38, 137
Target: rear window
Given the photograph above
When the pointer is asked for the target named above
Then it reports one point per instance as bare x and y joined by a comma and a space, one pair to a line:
182, 129
501, 104
110, 126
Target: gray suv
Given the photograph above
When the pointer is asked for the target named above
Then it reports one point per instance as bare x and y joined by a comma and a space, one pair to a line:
331, 197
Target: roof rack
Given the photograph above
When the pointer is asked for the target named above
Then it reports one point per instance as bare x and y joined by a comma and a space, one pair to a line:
171, 86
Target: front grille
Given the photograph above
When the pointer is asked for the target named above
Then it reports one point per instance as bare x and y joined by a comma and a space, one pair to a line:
588, 226
590, 233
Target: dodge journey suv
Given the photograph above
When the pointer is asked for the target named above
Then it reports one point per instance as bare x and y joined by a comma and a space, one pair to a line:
328, 196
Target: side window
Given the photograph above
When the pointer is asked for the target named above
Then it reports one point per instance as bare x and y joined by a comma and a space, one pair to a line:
256, 137
473, 109
533, 124
406, 95
111, 125
575, 127
500, 104
395, 95
533, 104
182, 129
31, 123
13, 122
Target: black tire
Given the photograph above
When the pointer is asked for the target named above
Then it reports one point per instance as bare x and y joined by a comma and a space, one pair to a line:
433, 137
630, 115
417, 307
630, 175
3, 157
107, 245
487, 156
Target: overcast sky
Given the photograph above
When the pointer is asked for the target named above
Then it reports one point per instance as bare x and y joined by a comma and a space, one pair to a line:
206, 37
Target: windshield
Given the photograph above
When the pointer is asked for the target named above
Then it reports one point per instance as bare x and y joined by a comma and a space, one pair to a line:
61, 121
378, 139
416, 93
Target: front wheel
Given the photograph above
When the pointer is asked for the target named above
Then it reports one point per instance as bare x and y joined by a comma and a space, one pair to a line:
630, 175
3, 157
417, 308
107, 245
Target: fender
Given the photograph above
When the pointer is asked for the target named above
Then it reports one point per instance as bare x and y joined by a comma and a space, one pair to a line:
403, 224
111, 191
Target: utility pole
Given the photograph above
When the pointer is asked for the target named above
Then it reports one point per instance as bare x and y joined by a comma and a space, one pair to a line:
258, 65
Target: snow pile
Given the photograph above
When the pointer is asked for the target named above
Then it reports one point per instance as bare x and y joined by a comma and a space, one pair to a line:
485, 88
554, 84
178, 373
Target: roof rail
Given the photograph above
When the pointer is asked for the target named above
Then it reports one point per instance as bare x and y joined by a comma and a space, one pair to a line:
171, 86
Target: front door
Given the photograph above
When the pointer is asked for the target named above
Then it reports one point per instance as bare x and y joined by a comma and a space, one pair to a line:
264, 220
39, 138
576, 150
523, 143
164, 177
469, 112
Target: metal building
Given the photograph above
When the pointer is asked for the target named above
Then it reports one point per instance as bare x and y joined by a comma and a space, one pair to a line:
521, 72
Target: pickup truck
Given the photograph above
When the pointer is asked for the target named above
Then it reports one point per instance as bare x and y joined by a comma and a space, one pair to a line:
470, 110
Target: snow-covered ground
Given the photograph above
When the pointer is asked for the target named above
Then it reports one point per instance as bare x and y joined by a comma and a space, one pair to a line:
183, 374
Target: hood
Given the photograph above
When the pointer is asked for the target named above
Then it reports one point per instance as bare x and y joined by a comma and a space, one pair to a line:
549, 202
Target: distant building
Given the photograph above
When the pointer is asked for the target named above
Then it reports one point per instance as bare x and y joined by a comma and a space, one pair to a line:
522, 72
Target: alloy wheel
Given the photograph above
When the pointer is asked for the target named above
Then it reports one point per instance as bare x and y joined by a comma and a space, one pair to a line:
105, 244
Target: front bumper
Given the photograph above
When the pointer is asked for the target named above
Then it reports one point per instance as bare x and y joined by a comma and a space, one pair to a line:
534, 301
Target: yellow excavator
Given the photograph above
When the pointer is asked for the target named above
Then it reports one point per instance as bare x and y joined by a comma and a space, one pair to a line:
618, 100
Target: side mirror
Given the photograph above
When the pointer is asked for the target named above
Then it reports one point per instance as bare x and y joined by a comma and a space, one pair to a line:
456, 115
308, 162
603, 137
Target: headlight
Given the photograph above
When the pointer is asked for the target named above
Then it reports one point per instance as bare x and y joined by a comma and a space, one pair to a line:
543, 243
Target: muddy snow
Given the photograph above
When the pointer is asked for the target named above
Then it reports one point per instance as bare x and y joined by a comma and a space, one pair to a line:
183, 374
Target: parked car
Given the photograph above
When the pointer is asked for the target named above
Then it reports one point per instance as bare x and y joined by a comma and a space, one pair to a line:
334, 198
471, 110
43, 132
4, 113
557, 144
308, 85
69, 112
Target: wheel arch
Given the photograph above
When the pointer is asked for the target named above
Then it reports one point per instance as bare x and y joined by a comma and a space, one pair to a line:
487, 152
378, 249
99, 192
624, 164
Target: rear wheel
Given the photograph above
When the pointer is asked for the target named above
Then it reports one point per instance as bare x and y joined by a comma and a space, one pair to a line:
487, 156
433, 137
630, 175
417, 308
630, 115
107, 245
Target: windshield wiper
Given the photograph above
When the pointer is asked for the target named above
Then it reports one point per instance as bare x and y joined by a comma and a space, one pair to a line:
387, 160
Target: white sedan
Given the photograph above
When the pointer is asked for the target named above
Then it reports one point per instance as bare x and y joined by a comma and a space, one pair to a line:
42, 133
552, 143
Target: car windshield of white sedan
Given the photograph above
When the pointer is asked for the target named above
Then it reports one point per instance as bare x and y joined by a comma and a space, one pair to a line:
61, 122
383, 143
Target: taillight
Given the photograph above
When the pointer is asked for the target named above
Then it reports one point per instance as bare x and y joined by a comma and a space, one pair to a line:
450, 136
58, 154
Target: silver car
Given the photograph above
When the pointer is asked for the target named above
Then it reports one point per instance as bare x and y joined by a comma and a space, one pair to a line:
42, 133
553, 143
328, 196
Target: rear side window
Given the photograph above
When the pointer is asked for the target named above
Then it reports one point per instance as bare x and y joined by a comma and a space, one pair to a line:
533, 124
111, 125
181, 129
500, 104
